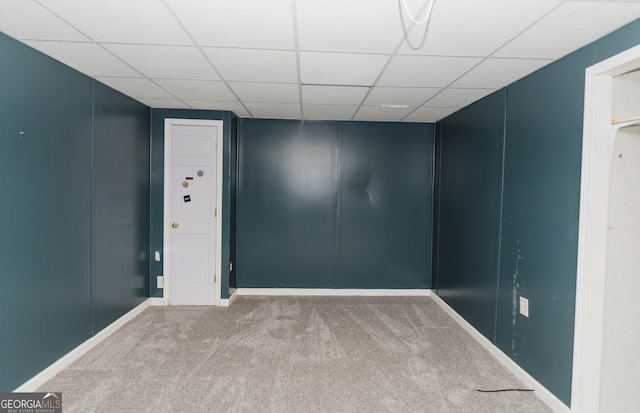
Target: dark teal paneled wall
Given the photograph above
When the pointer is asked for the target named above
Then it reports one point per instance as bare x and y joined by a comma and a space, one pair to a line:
158, 117
386, 179
334, 204
121, 205
539, 236
45, 198
540, 220
286, 204
49, 220
469, 219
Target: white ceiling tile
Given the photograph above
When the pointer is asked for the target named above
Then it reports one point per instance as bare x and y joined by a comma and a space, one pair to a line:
235, 107
267, 92
139, 21
425, 71
496, 73
381, 95
164, 103
352, 26
475, 28
262, 24
378, 113
274, 110
255, 65
88, 58
457, 98
430, 114
197, 89
136, 87
340, 68
172, 62
569, 27
329, 112
272, 69
333, 94
25, 19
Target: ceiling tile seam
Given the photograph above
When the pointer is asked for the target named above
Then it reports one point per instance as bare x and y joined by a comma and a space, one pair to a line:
538, 20
391, 56
487, 58
62, 19
204, 55
220, 101
447, 86
296, 48
92, 41
296, 44
259, 82
143, 76
35, 39
422, 105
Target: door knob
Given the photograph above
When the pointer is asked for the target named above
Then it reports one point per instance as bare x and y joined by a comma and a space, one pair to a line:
175, 225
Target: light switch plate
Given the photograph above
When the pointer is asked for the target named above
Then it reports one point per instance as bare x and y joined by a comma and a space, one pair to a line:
157, 255
160, 281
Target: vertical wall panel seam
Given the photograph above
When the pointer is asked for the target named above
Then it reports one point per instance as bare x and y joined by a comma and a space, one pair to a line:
439, 156
338, 215
239, 161
433, 210
500, 217
92, 214
151, 253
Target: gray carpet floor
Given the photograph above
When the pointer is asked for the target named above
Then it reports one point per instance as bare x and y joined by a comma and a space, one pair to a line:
292, 354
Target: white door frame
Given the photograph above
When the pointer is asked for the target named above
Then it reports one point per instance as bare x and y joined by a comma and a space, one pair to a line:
597, 149
166, 265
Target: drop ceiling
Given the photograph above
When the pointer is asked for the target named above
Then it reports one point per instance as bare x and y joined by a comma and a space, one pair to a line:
311, 59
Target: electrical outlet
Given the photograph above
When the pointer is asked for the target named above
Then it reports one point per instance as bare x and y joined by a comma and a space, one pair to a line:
160, 281
524, 306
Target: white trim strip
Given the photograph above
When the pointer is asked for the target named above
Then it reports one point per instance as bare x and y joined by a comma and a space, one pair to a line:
543, 394
157, 301
338, 292
48, 373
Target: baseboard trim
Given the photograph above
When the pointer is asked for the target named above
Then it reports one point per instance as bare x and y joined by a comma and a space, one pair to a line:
337, 292
157, 301
545, 395
48, 373
226, 302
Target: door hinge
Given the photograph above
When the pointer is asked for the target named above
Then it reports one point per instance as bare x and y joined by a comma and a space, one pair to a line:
215, 278
215, 212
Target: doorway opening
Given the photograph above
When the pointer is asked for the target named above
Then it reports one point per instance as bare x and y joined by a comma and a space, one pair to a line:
608, 237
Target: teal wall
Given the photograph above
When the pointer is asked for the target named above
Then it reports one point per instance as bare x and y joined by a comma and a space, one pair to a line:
539, 187
470, 151
74, 202
334, 204
229, 149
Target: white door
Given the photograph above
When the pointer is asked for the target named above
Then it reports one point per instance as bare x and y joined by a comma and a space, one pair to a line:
193, 214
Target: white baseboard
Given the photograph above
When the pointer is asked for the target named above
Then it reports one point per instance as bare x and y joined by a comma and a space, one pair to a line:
545, 395
226, 302
157, 301
337, 292
48, 373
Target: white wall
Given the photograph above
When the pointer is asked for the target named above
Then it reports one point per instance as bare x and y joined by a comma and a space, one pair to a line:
621, 355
